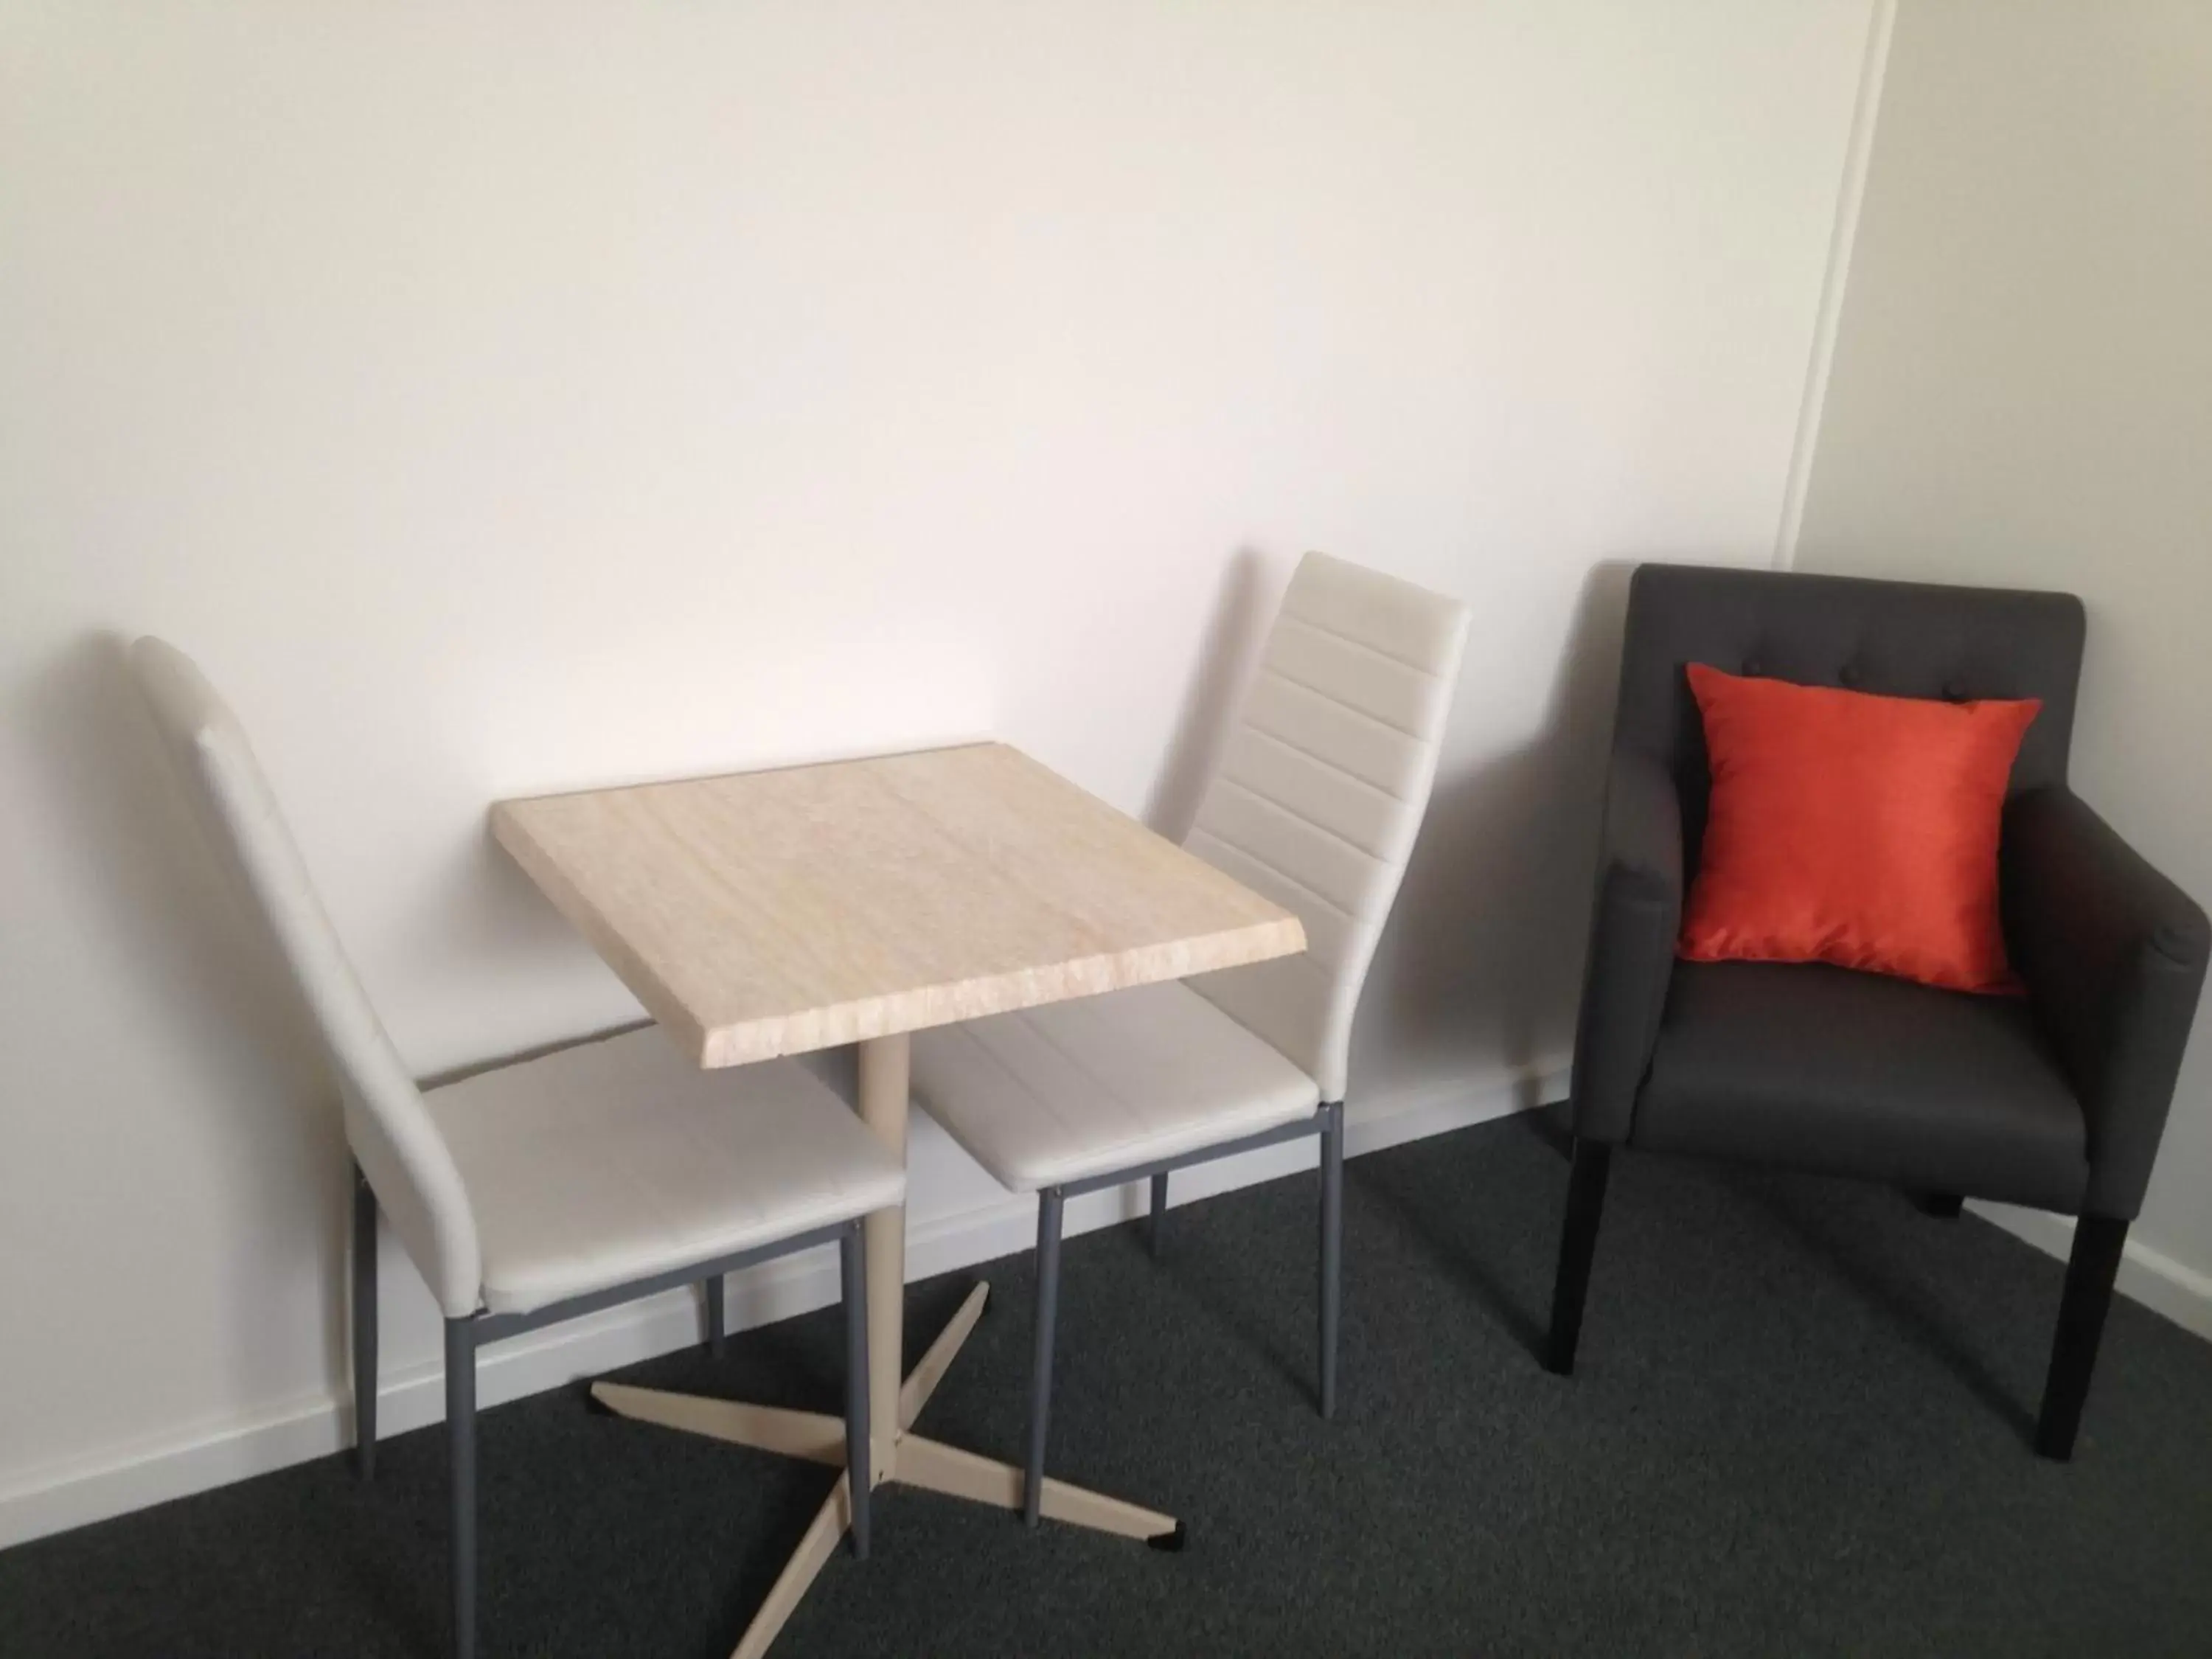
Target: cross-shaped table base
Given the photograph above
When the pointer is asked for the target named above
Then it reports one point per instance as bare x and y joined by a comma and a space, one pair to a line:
899, 1455
915, 1459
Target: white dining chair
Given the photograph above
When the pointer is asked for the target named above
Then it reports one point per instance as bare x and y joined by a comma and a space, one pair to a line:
547, 1189
1319, 795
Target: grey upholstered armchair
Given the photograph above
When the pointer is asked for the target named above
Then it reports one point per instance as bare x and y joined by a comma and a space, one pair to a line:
2056, 1100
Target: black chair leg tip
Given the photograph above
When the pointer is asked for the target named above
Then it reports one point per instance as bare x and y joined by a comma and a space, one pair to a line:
1172, 1542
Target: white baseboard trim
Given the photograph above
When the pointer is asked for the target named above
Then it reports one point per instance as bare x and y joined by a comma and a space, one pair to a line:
121, 1479
2158, 1281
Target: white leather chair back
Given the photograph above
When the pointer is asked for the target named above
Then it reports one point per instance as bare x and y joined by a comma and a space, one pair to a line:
392, 1137
1321, 791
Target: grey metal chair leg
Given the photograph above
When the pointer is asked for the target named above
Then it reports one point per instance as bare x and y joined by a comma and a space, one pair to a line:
1159, 1211
1048, 1311
716, 1325
1332, 1247
461, 1460
364, 1327
853, 1276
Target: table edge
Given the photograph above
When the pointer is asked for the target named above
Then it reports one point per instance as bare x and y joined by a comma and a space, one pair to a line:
659, 999
770, 1036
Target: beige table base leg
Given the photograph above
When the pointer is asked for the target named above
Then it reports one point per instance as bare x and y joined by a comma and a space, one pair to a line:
810, 1435
813, 1553
893, 1404
922, 1381
935, 1466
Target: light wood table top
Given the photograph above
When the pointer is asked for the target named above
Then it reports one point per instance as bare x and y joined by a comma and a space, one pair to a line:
772, 912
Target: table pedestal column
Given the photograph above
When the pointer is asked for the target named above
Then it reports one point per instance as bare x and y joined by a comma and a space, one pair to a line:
885, 1064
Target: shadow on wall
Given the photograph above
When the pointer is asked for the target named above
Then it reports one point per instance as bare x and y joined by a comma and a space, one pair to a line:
495, 974
162, 892
1226, 660
1479, 969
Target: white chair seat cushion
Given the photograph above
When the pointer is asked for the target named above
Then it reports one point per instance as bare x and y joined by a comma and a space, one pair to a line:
1077, 1089
616, 1160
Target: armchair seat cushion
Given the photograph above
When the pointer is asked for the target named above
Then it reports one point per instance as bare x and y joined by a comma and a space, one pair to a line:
1822, 1068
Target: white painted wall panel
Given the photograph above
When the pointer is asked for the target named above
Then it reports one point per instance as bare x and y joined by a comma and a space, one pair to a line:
503, 397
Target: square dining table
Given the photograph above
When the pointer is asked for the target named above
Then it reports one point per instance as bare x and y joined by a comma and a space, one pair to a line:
773, 912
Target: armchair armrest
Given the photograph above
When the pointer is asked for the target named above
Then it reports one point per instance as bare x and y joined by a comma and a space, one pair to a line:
2113, 954
1635, 919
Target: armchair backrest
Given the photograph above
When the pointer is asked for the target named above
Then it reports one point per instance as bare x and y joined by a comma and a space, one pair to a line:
1897, 639
1322, 789
389, 1127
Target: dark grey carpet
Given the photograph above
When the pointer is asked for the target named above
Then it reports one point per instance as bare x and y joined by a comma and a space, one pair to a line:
1799, 1429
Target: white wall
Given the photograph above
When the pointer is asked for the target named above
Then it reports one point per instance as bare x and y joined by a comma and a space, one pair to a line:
2021, 396
504, 397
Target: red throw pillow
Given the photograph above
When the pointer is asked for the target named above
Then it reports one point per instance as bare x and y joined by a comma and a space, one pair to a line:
1852, 829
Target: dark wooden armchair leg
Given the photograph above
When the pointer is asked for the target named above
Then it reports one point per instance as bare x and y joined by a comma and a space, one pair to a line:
1577, 1245
2096, 1263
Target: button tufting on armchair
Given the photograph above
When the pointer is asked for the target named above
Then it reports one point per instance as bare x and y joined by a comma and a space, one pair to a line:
2056, 1100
